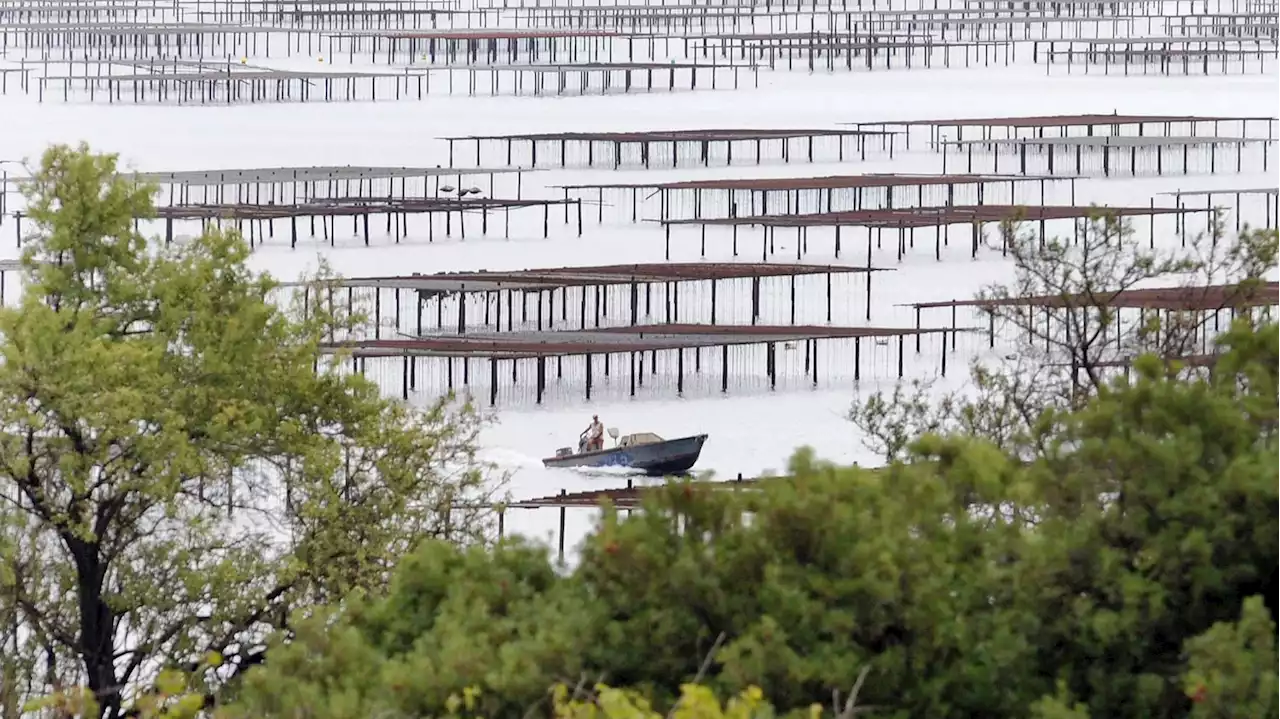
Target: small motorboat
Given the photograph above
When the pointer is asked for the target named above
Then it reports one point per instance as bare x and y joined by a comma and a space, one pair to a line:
644, 451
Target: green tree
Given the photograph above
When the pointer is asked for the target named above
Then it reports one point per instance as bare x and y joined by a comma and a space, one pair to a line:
1231, 669
967, 582
814, 579
1103, 578
1093, 561
1061, 352
499, 626
176, 477
1155, 520
843, 578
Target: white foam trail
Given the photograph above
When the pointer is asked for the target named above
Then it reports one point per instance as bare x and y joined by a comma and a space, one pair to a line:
511, 459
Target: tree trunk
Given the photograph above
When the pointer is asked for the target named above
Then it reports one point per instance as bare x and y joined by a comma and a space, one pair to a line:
97, 639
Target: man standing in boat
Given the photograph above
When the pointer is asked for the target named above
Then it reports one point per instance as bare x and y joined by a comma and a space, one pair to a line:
595, 434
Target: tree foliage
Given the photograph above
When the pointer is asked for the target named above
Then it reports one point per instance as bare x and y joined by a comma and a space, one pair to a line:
1103, 578
695, 702
190, 512
176, 477
1062, 352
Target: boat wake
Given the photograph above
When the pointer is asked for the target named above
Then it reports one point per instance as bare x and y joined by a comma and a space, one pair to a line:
510, 459
607, 471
